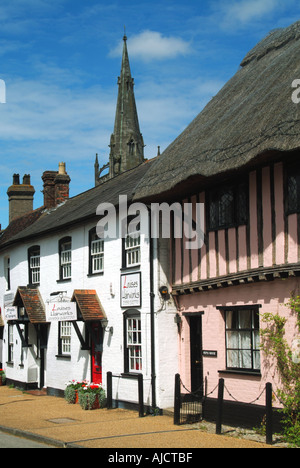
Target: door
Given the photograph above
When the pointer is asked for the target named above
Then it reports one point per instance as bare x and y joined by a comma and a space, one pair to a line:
42, 336
196, 355
97, 346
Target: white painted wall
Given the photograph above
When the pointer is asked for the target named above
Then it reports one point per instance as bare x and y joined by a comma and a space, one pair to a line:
60, 370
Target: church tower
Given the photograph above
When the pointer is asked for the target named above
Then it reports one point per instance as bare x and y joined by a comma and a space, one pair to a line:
126, 142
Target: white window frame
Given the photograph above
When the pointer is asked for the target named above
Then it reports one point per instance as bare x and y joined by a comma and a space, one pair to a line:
35, 264
66, 260
65, 334
97, 256
133, 249
134, 344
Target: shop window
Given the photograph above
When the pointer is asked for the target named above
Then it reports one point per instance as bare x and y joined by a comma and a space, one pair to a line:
96, 256
228, 206
34, 259
133, 343
65, 258
242, 338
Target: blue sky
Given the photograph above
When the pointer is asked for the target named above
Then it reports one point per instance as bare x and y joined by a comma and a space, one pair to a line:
60, 60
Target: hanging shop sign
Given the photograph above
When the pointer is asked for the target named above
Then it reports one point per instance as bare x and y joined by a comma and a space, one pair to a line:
61, 312
131, 290
11, 313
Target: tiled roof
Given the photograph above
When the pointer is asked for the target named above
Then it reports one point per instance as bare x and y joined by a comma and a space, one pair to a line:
19, 224
77, 209
31, 300
89, 304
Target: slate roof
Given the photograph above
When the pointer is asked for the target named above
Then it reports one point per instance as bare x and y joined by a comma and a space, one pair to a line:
75, 210
89, 304
33, 303
251, 115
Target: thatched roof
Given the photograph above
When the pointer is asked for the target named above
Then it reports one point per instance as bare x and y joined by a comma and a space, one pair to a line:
253, 113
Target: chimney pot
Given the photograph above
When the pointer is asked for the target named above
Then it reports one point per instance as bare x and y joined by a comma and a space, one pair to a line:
20, 197
62, 168
16, 179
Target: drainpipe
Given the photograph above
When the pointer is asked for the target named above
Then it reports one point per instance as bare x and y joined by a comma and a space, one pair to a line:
152, 323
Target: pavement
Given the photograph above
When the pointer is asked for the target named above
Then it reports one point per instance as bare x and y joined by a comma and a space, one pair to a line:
52, 420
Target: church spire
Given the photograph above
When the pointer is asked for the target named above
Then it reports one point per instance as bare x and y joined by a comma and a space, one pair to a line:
126, 144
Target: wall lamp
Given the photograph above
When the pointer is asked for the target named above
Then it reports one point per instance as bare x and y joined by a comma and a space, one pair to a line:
104, 323
164, 293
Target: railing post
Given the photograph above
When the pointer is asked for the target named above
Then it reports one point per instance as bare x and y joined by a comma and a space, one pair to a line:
177, 400
109, 389
269, 414
220, 407
141, 395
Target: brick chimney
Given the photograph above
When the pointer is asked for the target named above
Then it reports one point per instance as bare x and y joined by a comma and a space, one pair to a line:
20, 197
56, 186
49, 188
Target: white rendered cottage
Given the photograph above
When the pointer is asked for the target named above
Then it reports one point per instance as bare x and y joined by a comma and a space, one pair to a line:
77, 306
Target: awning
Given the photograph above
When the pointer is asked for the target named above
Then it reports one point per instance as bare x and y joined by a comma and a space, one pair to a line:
89, 305
89, 310
31, 300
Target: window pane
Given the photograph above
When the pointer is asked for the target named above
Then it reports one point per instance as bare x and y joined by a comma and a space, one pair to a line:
134, 344
242, 339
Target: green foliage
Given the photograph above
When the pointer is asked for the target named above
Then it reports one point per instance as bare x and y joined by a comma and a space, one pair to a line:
91, 396
275, 345
70, 395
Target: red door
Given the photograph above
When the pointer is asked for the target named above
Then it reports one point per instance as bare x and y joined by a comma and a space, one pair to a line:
97, 353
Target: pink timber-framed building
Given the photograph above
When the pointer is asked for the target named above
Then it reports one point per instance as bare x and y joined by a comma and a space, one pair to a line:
240, 157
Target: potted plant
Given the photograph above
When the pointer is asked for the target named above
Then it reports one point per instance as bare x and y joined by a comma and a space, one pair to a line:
91, 396
2, 377
71, 391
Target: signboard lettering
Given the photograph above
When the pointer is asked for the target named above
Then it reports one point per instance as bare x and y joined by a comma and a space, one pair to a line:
11, 313
61, 312
131, 290
207, 353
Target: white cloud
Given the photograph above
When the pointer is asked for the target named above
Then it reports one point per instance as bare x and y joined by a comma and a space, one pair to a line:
235, 14
249, 10
152, 45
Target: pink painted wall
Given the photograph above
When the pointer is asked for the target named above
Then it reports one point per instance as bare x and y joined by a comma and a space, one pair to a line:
271, 296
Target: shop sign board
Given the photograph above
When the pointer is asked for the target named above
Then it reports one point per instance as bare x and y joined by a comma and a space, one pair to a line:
61, 311
11, 313
131, 290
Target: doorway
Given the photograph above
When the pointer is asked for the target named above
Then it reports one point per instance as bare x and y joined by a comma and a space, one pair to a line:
196, 354
97, 347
